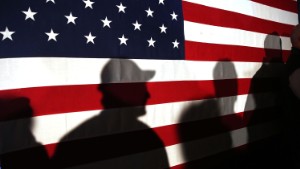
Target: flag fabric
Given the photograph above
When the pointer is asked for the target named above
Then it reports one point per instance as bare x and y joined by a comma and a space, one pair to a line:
181, 81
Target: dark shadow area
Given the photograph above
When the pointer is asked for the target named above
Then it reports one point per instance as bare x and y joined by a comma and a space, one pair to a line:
292, 100
19, 149
205, 125
115, 139
264, 107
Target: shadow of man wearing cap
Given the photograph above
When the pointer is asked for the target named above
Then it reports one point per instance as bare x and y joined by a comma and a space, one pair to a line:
115, 138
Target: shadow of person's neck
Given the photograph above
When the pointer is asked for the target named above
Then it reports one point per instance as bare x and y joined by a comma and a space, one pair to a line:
128, 112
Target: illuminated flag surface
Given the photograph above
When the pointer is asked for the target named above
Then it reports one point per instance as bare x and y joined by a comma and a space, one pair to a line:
170, 77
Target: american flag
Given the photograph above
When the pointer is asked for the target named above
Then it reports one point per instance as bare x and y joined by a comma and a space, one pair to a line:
138, 84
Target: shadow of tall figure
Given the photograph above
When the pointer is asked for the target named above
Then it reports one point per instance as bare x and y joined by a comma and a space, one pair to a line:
292, 100
264, 102
18, 147
115, 139
205, 125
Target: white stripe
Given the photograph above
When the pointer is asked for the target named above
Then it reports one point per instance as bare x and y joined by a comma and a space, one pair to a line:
219, 35
251, 8
50, 129
33, 72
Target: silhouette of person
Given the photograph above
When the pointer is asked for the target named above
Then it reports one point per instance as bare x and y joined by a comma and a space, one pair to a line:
211, 120
264, 102
18, 146
115, 139
292, 98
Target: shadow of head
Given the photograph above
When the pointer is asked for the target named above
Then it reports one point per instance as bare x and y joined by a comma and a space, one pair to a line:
225, 79
123, 84
295, 36
15, 108
13, 130
273, 48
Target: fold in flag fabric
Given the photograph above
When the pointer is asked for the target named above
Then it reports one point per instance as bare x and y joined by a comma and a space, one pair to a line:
138, 84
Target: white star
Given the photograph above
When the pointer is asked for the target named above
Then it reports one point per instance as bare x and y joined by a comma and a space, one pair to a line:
151, 42
149, 12
121, 8
50, 1
29, 14
90, 38
89, 4
174, 16
163, 29
161, 2
123, 40
137, 26
7, 34
51, 35
106, 22
175, 43
71, 18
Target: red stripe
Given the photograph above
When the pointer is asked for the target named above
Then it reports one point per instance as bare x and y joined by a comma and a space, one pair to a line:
218, 17
215, 52
287, 5
63, 99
